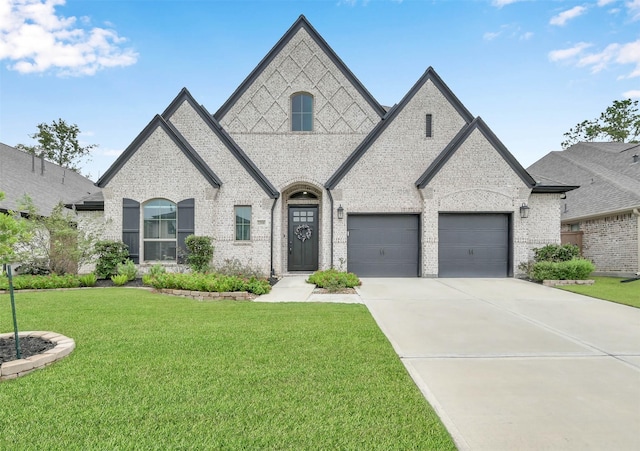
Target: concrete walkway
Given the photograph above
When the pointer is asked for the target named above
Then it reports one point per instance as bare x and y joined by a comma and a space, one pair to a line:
511, 365
296, 289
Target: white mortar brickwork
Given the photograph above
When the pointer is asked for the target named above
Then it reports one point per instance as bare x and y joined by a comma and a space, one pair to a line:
476, 178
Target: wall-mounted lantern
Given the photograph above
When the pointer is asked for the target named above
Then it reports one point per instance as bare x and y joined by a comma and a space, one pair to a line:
524, 211
340, 212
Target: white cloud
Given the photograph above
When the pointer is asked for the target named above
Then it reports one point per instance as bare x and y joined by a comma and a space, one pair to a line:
526, 36
35, 39
490, 36
613, 54
634, 9
633, 94
562, 18
605, 2
110, 152
564, 54
501, 3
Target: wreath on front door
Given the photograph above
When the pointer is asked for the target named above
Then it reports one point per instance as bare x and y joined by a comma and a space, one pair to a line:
303, 232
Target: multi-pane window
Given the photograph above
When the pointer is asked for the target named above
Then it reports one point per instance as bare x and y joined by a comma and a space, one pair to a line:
243, 223
160, 230
302, 113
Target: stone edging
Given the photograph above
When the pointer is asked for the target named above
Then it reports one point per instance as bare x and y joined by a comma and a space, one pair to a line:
553, 283
16, 368
209, 296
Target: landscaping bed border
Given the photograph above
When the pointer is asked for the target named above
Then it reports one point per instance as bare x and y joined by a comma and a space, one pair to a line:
17, 368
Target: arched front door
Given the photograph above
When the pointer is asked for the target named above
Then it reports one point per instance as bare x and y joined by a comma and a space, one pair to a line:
303, 238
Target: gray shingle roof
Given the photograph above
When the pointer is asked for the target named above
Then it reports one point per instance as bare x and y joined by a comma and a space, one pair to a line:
608, 177
22, 174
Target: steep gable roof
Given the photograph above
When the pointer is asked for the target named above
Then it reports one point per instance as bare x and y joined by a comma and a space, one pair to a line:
46, 183
176, 137
461, 137
226, 139
392, 113
608, 176
303, 23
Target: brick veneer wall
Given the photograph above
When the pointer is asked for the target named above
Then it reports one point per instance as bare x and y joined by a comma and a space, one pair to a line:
611, 242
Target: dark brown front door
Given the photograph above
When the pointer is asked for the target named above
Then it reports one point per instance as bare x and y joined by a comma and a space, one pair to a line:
303, 238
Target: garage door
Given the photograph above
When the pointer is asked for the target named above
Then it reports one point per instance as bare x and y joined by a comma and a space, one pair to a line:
383, 245
473, 245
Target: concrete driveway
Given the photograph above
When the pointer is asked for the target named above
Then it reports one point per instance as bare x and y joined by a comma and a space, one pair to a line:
511, 365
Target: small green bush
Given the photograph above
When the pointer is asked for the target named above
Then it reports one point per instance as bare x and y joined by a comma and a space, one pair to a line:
119, 280
576, 269
234, 267
556, 253
128, 268
28, 282
334, 280
200, 252
156, 270
88, 280
110, 253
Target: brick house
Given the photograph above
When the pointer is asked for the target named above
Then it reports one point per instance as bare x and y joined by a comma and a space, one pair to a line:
603, 215
302, 169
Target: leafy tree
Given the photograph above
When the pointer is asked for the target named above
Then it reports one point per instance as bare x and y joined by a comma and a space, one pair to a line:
58, 142
12, 231
56, 243
619, 123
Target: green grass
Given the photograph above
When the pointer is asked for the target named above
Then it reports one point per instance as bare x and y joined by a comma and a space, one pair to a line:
610, 289
160, 372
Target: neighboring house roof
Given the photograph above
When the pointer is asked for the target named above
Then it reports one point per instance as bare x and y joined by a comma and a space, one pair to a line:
176, 137
46, 183
392, 113
235, 150
608, 175
302, 22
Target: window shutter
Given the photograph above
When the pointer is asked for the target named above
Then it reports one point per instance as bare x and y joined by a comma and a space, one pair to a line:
429, 121
186, 223
131, 227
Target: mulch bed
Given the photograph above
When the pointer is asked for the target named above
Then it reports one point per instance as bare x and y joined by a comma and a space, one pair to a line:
109, 283
342, 291
28, 346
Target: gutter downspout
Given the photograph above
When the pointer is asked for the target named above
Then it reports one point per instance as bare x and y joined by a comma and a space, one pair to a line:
331, 234
273, 207
636, 213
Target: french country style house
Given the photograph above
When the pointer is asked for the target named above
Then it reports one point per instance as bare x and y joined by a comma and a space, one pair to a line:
302, 169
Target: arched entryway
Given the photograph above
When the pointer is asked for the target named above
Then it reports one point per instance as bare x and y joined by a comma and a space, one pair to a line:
302, 223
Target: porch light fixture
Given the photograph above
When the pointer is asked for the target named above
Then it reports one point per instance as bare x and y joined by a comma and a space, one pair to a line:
524, 211
340, 212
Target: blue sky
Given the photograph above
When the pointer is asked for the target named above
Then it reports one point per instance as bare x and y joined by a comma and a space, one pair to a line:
530, 69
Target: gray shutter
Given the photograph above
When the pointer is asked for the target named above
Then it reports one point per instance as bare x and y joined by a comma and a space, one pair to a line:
131, 227
186, 224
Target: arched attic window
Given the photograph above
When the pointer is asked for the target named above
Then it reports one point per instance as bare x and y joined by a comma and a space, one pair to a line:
302, 112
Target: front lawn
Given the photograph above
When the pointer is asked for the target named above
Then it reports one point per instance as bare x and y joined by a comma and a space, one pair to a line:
610, 289
161, 372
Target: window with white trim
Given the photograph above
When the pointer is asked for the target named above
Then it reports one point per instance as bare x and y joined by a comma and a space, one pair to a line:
243, 222
160, 230
302, 112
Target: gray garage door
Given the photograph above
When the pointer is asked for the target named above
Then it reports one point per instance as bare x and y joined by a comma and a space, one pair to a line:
383, 245
473, 245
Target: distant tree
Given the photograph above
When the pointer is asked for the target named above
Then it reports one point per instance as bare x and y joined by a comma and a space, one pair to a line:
58, 142
619, 123
12, 231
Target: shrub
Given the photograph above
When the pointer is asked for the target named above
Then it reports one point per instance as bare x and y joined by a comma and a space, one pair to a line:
207, 282
156, 270
119, 280
556, 253
334, 280
234, 267
28, 282
110, 253
88, 280
200, 252
34, 268
576, 269
128, 268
